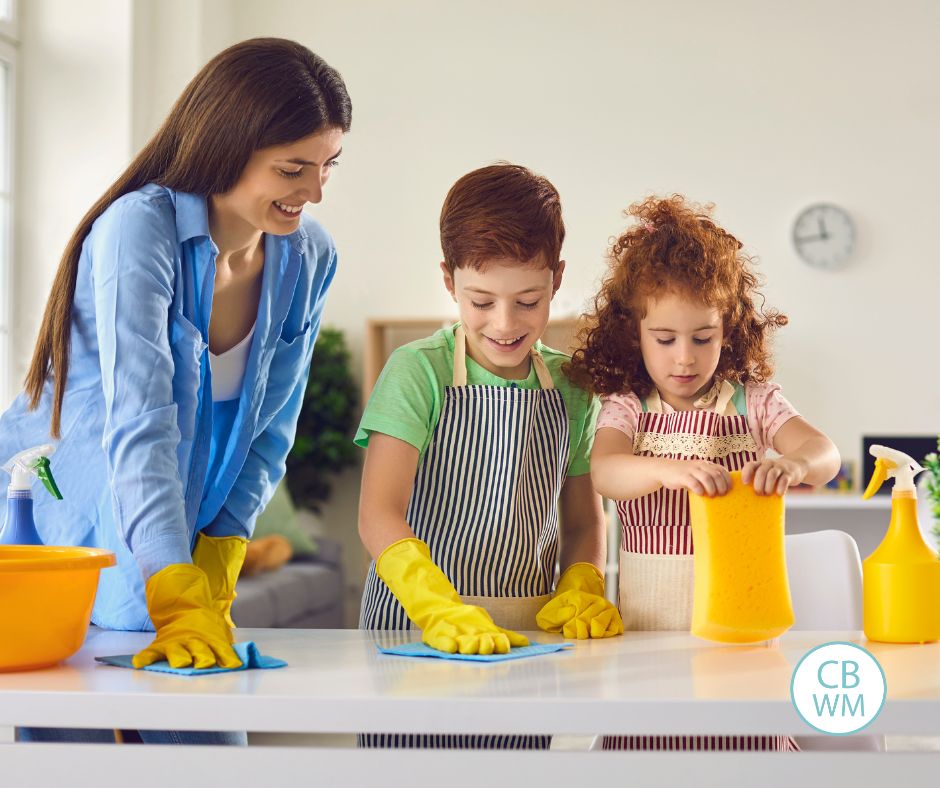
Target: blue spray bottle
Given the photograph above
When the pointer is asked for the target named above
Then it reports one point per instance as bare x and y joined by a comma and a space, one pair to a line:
20, 527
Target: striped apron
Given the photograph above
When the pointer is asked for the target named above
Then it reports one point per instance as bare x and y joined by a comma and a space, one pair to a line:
656, 579
485, 500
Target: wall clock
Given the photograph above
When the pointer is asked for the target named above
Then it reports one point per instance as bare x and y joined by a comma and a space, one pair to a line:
824, 236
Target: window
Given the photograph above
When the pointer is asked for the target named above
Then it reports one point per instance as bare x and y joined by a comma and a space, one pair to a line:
8, 44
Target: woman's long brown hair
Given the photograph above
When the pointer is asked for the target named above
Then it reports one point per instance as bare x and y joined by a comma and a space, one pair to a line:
255, 94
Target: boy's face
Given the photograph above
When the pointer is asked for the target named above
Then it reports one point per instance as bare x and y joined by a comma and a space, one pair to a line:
504, 308
680, 340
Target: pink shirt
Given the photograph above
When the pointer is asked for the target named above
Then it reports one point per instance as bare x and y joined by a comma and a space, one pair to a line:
767, 411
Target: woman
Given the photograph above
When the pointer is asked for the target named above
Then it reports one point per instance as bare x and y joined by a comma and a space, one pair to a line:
174, 351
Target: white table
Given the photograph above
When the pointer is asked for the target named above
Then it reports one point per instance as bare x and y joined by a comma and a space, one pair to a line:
652, 683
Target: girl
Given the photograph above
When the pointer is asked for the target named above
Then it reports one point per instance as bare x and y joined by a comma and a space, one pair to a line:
174, 350
678, 348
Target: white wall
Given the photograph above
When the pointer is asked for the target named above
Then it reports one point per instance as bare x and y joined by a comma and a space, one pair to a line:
760, 107
171, 40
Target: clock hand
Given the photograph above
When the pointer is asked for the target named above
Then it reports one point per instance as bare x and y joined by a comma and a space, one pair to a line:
823, 235
801, 238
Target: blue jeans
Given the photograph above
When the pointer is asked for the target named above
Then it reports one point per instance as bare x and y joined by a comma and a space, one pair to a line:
93, 736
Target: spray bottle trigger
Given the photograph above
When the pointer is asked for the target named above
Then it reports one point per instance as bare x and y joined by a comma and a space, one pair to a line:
882, 466
44, 472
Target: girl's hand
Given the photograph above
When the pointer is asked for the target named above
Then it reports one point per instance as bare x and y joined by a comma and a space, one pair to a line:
700, 476
773, 476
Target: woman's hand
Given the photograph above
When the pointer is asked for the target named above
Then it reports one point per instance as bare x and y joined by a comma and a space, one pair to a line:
770, 476
699, 476
190, 630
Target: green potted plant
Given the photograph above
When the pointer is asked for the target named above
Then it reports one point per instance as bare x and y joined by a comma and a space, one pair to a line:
932, 464
323, 446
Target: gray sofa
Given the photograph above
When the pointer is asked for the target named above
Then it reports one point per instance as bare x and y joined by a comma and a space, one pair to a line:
305, 593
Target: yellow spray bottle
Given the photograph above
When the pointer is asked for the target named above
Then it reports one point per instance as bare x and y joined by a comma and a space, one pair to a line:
901, 586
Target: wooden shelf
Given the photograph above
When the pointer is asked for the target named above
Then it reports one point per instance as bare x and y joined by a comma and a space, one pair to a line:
384, 334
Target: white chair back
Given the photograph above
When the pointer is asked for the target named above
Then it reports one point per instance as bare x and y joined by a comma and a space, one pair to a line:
825, 573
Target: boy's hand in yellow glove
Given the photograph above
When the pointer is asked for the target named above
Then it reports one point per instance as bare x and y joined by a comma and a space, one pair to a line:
221, 558
468, 629
578, 608
433, 604
190, 630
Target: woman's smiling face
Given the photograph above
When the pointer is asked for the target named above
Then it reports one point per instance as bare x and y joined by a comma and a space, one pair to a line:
278, 181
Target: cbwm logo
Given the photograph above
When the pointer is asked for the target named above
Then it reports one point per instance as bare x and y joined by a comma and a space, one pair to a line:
838, 688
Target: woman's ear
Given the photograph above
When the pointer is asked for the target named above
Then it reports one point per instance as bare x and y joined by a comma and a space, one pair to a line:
449, 281
556, 277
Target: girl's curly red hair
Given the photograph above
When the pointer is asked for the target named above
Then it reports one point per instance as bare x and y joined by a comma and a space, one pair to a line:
674, 248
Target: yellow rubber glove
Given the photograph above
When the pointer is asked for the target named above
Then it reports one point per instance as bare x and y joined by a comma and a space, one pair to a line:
433, 604
190, 630
221, 558
578, 608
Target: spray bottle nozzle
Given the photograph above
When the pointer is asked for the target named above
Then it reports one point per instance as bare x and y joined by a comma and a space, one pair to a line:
44, 472
32, 462
891, 463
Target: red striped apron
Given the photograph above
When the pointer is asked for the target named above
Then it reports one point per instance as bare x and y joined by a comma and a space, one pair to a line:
656, 546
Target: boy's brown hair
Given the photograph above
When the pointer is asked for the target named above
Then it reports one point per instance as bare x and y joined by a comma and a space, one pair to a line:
501, 211
675, 247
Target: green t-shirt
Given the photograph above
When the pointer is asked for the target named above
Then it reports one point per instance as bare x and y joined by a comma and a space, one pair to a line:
407, 398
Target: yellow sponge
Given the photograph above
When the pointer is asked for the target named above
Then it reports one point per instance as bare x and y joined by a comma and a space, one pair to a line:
741, 590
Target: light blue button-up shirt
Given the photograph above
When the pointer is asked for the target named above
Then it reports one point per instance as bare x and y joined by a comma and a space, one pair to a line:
137, 432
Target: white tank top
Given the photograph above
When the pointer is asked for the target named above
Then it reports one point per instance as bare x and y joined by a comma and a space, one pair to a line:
228, 369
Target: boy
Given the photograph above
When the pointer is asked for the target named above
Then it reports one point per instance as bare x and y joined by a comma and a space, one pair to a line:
476, 442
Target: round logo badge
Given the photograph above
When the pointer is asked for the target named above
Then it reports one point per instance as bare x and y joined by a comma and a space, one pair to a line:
838, 688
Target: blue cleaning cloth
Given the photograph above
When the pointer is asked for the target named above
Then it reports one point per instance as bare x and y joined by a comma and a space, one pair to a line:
248, 653
423, 650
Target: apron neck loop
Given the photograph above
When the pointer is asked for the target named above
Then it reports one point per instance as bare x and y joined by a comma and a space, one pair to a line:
460, 362
460, 357
654, 403
541, 371
717, 399
723, 404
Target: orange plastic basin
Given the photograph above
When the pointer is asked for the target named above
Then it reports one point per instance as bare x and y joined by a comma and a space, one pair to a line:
46, 596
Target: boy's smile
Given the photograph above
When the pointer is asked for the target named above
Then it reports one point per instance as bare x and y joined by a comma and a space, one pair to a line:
504, 308
506, 345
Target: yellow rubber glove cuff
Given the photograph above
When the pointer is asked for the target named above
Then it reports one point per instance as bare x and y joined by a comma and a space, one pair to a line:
582, 576
578, 608
433, 604
190, 630
221, 558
